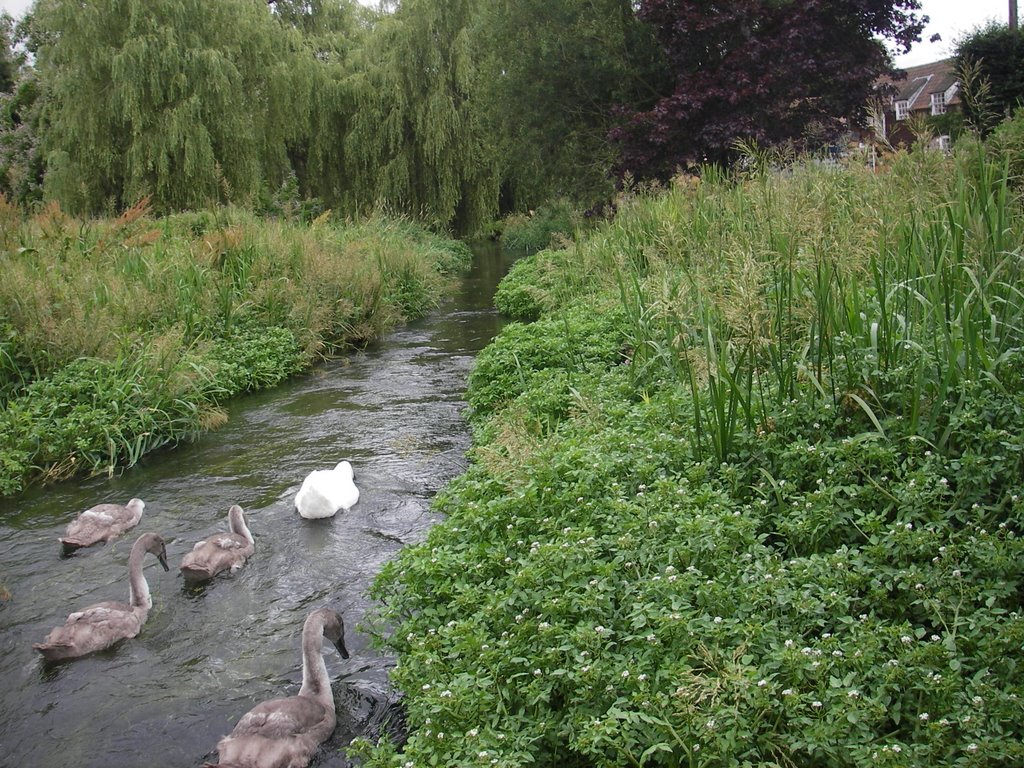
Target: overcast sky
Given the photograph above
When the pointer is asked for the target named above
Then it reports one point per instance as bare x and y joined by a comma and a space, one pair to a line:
949, 18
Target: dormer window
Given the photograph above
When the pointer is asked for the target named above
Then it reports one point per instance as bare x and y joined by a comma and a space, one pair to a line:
902, 110
939, 103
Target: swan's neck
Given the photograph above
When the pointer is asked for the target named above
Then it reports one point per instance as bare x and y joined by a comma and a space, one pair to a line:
236, 522
315, 682
138, 589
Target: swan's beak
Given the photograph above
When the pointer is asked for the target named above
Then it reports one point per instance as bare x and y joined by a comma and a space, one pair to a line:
340, 645
162, 557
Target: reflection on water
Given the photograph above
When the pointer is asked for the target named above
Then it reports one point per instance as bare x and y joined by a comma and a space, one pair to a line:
208, 654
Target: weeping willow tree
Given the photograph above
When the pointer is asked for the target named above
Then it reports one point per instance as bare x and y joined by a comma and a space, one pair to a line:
423, 107
417, 141
333, 33
553, 72
187, 101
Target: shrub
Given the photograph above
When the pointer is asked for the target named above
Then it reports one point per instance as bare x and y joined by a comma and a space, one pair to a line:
787, 532
572, 339
518, 294
1007, 145
537, 229
538, 283
118, 337
91, 416
620, 603
251, 359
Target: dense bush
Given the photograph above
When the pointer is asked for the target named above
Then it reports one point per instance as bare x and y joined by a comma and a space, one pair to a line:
572, 340
818, 601
535, 230
120, 337
253, 359
1007, 144
90, 416
535, 284
998, 53
784, 530
517, 294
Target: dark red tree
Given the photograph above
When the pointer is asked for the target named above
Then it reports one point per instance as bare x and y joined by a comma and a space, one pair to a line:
764, 70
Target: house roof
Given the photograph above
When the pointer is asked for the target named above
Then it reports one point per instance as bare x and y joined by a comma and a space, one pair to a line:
924, 80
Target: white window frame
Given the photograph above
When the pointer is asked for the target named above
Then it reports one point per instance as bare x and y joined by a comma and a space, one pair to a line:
945, 142
939, 103
902, 109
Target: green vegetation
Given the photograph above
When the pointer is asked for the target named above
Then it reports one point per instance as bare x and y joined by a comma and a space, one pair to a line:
747, 493
118, 337
429, 111
454, 112
141, 103
1008, 141
991, 60
534, 230
745, 487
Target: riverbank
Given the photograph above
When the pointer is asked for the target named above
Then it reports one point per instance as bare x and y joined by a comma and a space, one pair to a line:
748, 491
121, 337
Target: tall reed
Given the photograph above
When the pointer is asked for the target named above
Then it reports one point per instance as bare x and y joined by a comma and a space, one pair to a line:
135, 330
884, 294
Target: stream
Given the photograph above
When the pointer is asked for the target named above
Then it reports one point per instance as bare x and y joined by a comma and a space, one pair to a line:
207, 655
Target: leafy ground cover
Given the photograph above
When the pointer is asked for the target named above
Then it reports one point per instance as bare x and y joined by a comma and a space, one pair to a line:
768, 512
119, 337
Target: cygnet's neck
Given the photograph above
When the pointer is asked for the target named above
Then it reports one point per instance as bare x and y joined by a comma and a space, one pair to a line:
236, 522
138, 589
315, 682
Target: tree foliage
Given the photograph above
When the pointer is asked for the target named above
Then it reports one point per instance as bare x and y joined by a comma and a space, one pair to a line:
994, 54
430, 109
551, 74
8, 58
761, 70
182, 100
446, 110
418, 143
334, 35
21, 161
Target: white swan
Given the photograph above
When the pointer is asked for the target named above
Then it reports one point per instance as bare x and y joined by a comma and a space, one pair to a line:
220, 551
100, 626
284, 733
325, 491
101, 523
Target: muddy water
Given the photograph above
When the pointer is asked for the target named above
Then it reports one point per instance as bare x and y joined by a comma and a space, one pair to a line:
208, 655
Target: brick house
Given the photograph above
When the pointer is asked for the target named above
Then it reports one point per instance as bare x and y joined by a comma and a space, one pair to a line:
929, 90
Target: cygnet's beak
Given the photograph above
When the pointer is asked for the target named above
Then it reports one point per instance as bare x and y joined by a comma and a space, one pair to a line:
340, 645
